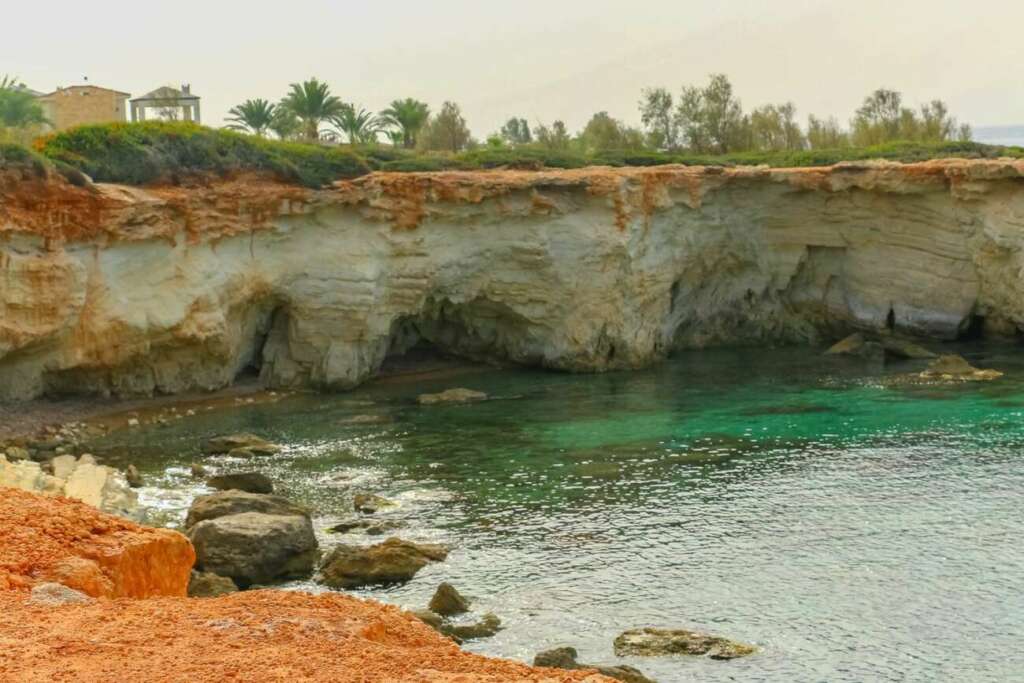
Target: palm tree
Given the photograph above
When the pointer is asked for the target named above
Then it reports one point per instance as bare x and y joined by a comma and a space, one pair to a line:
409, 116
18, 108
312, 103
284, 124
252, 116
358, 124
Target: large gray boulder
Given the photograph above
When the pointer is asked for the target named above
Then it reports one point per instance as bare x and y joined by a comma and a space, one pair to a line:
250, 482
227, 503
255, 548
393, 561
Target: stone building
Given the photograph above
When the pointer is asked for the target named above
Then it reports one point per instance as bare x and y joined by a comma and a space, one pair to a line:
78, 105
170, 103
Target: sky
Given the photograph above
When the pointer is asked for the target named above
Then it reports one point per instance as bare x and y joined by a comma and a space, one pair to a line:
538, 59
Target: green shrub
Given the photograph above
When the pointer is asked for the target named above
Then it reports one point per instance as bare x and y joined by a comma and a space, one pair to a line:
16, 156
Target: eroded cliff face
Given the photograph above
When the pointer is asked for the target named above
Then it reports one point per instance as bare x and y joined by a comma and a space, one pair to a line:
119, 290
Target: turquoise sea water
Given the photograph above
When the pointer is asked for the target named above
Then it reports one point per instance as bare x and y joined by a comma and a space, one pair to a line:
854, 529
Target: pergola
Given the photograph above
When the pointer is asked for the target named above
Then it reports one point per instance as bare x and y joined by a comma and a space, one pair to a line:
167, 98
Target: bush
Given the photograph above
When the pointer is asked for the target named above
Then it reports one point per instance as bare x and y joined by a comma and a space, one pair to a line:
153, 151
16, 156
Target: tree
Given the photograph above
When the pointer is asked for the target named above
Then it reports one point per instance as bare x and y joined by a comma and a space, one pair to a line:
312, 103
18, 108
252, 116
657, 116
285, 125
516, 132
774, 127
360, 125
878, 119
409, 116
447, 131
825, 133
603, 133
555, 137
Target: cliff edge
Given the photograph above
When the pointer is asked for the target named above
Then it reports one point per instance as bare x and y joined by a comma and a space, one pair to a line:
119, 290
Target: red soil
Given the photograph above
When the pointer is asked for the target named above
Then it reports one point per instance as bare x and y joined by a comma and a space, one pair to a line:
263, 636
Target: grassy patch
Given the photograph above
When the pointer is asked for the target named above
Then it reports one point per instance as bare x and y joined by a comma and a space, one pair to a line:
152, 151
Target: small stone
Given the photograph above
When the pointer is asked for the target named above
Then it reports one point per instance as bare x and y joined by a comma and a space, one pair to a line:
370, 527
368, 503
15, 453
209, 585
220, 445
251, 482
447, 601
133, 422
133, 477
57, 594
197, 471
453, 396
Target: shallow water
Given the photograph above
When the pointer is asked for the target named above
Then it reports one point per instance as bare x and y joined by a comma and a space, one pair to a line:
854, 530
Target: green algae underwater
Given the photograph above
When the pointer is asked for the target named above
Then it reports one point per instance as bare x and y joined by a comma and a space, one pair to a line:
852, 527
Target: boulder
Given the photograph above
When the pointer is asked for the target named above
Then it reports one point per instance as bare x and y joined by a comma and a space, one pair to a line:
902, 348
369, 504
226, 503
57, 594
447, 601
81, 478
653, 642
197, 471
431, 619
254, 547
956, 369
17, 453
209, 585
452, 396
565, 658
858, 345
221, 445
393, 561
250, 482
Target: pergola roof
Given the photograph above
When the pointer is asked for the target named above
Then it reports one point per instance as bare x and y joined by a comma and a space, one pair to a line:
164, 94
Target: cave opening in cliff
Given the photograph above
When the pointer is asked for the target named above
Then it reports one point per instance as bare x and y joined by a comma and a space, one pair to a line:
973, 329
260, 327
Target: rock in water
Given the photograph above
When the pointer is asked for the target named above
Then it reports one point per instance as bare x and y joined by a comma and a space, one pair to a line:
369, 504
250, 482
902, 348
221, 445
370, 527
447, 601
956, 369
253, 547
393, 561
565, 658
197, 471
133, 477
227, 503
452, 396
653, 642
56, 594
487, 627
209, 585
431, 619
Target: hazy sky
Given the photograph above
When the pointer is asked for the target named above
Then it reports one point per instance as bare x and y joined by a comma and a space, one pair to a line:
538, 59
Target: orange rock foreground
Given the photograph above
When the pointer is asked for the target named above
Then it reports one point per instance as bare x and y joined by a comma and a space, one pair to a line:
140, 627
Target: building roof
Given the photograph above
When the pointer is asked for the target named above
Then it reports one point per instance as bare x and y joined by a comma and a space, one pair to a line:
84, 87
167, 93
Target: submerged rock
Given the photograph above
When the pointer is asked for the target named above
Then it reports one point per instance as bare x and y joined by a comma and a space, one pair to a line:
393, 561
902, 348
565, 658
133, 476
431, 619
452, 396
447, 601
254, 445
370, 527
225, 503
254, 547
209, 585
956, 369
654, 642
369, 504
879, 347
366, 420
250, 482
197, 471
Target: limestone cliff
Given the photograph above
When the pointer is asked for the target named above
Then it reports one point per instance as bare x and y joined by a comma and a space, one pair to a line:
110, 289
